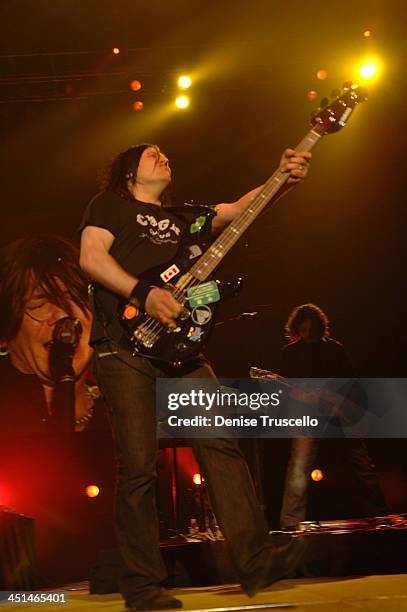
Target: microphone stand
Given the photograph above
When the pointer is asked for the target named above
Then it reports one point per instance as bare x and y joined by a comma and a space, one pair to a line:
242, 315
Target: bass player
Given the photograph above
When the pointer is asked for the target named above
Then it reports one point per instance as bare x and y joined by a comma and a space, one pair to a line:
126, 230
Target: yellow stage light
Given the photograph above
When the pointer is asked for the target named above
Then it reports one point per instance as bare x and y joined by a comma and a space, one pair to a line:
184, 81
367, 33
317, 475
196, 479
182, 101
115, 50
92, 490
368, 70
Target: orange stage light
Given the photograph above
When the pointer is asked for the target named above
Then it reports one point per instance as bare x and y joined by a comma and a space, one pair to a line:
92, 490
312, 95
135, 85
322, 74
138, 105
317, 475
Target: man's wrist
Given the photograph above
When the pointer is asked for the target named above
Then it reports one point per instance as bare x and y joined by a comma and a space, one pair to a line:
139, 293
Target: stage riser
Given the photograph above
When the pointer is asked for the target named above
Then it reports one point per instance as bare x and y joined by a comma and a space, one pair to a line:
327, 554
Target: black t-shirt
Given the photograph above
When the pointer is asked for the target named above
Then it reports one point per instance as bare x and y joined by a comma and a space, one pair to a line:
145, 236
23, 408
324, 359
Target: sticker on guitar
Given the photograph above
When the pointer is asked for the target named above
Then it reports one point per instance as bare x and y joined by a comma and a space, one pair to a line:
201, 315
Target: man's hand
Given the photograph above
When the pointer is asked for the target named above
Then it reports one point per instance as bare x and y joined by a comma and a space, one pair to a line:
296, 163
162, 306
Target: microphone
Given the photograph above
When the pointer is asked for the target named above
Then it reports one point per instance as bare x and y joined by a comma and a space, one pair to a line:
65, 339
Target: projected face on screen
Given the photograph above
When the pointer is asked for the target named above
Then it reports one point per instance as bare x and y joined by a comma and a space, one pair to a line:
40, 283
30, 348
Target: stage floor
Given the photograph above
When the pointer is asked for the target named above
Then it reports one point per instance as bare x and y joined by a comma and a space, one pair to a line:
371, 593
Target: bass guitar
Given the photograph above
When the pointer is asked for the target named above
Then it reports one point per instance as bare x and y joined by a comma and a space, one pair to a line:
188, 276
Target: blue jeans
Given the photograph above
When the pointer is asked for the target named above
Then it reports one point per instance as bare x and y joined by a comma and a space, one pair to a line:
128, 386
301, 463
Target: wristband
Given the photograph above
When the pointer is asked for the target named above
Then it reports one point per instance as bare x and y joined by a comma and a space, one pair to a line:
140, 292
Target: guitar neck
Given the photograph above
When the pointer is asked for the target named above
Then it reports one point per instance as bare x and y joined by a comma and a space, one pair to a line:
228, 238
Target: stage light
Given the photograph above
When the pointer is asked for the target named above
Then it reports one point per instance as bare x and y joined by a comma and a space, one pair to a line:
4, 495
312, 95
317, 475
322, 74
369, 70
182, 102
184, 81
196, 479
115, 50
135, 85
367, 33
138, 105
92, 490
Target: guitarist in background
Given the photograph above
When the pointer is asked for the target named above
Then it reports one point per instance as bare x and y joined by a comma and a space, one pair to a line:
127, 230
312, 353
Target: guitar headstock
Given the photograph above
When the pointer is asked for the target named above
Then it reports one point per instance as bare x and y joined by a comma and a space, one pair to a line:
334, 115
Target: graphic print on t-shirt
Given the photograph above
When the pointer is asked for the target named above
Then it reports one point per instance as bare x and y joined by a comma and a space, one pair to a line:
158, 231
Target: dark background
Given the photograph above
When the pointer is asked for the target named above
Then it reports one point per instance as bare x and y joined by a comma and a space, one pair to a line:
338, 240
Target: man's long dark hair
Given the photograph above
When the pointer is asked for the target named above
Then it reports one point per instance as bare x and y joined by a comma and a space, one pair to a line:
305, 312
124, 168
43, 262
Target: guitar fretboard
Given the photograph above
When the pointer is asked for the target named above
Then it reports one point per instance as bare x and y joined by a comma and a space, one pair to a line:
228, 238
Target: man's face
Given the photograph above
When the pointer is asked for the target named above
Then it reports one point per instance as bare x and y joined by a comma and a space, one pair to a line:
153, 167
30, 348
306, 331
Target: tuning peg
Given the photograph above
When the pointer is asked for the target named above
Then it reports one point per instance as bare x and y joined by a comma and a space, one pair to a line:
324, 102
347, 85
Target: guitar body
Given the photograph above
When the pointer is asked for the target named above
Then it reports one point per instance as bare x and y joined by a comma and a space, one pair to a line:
154, 340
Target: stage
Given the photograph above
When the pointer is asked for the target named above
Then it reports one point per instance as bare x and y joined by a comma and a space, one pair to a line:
370, 593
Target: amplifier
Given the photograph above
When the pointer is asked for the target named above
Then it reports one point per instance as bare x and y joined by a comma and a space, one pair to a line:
17, 552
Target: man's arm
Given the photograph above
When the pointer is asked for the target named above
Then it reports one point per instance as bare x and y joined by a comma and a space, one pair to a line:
97, 262
296, 163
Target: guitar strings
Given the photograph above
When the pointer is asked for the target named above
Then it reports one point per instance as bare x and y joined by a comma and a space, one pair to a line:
151, 326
